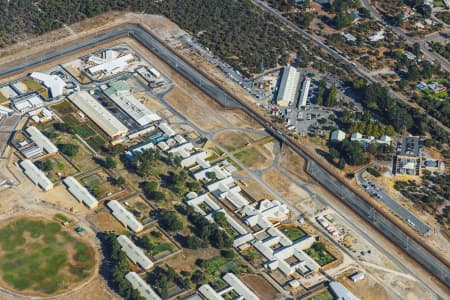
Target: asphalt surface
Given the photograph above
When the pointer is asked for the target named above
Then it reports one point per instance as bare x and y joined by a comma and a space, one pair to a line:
417, 252
398, 209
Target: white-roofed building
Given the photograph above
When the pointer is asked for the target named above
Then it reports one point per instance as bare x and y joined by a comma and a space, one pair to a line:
54, 83
27, 103
337, 136
288, 91
5, 110
197, 158
144, 289
41, 140
134, 253
183, 150
140, 148
277, 258
120, 93
98, 114
124, 216
80, 192
113, 66
36, 176
266, 213
239, 287
235, 284
340, 292
206, 174
164, 127
227, 188
305, 91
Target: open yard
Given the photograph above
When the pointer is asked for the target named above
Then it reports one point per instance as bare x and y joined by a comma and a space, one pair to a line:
33, 85
320, 254
57, 166
293, 233
100, 185
159, 245
233, 140
322, 295
140, 209
39, 256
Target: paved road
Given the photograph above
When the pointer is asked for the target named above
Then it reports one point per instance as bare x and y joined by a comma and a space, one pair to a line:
335, 54
444, 63
397, 208
400, 238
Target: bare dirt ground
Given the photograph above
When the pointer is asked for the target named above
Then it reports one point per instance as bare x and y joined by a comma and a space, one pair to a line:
293, 163
366, 289
260, 286
285, 187
106, 222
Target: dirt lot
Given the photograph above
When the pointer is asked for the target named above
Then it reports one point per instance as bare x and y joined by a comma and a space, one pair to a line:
285, 187
293, 163
260, 286
186, 259
105, 221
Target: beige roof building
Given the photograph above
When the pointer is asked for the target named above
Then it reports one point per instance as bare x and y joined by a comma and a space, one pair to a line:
99, 114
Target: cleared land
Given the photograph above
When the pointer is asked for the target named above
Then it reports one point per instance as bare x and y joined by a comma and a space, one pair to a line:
38, 256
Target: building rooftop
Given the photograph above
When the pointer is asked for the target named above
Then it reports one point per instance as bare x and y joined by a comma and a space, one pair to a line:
80, 192
54, 83
340, 292
124, 216
139, 284
409, 146
99, 114
120, 93
41, 140
134, 253
288, 90
36, 176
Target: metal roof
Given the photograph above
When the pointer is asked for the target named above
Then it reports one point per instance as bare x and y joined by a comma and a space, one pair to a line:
41, 140
80, 192
124, 216
36, 176
135, 254
139, 284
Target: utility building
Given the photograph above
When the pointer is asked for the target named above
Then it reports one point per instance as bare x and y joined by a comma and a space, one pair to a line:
99, 114
288, 91
80, 192
408, 160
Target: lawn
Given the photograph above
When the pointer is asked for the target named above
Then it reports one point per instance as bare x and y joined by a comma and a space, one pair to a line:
321, 256
71, 121
36, 86
63, 108
3, 98
161, 246
38, 255
293, 233
84, 131
96, 142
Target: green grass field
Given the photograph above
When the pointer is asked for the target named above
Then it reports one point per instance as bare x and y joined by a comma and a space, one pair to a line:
322, 257
63, 108
293, 233
323, 295
35, 256
84, 131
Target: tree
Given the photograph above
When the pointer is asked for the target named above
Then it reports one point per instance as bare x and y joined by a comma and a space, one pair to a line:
46, 165
228, 253
334, 153
109, 163
352, 153
120, 181
416, 49
331, 99
170, 220
220, 239
306, 4
321, 92
68, 149
341, 164
221, 219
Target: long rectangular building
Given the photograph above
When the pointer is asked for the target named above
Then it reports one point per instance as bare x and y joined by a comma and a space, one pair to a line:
41, 140
288, 91
36, 176
99, 114
124, 216
80, 192
119, 92
135, 254
305, 91
139, 284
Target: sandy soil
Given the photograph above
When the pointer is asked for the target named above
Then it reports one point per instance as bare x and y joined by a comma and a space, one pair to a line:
285, 187
260, 286
293, 163
366, 289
